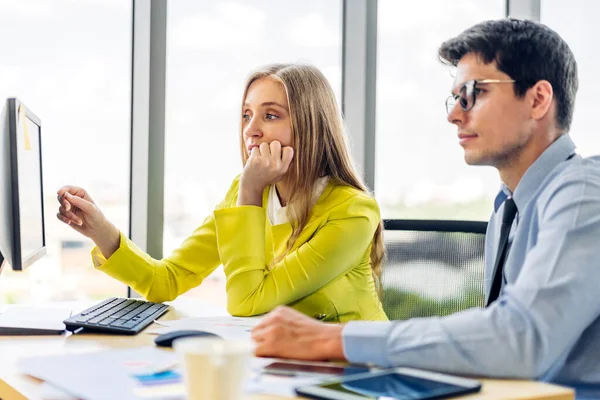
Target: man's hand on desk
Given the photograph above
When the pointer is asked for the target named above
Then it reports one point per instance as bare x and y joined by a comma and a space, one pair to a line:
287, 333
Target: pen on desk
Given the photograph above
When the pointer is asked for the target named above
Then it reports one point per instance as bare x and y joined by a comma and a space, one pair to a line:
164, 368
280, 373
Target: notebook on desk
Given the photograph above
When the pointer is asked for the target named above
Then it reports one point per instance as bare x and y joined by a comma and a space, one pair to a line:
28, 321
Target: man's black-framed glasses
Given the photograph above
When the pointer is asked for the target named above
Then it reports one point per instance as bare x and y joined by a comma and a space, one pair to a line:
468, 94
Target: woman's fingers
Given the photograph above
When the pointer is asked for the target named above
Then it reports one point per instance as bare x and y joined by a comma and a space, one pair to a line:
63, 218
70, 216
67, 221
79, 228
73, 207
275, 149
75, 191
255, 152
84, 205
267, 164
63, 202
265, 149
287, 154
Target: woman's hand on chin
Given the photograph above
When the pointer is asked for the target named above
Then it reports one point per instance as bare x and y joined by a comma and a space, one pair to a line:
266, 165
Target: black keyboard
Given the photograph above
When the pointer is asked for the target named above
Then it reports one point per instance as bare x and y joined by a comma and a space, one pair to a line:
117, 315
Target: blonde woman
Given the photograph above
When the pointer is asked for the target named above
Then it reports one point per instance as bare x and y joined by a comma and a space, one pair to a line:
297, 227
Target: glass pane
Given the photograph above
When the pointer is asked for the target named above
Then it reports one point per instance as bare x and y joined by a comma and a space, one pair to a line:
70, 63
419, 165
582, 38
212, 47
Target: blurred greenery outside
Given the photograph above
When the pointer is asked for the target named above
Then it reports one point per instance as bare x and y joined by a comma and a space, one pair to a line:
401, 305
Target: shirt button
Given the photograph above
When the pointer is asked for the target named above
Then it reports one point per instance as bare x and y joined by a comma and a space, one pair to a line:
320, 316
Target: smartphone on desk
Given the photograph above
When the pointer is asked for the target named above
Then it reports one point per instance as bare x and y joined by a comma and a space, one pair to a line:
311, 369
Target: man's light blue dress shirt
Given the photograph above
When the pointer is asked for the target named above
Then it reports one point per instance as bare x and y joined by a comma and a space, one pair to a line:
546, 323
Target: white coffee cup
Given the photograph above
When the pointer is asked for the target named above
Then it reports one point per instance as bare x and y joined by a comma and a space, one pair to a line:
214, 369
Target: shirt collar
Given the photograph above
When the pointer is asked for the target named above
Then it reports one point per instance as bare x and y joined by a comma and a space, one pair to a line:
501, 197
556, 153
319, 187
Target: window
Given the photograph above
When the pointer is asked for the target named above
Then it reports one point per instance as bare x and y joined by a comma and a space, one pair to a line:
70, 63
419, 167
582, 38
212, 47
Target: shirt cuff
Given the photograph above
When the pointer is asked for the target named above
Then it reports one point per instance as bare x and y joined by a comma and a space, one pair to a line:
365, 342
97, 257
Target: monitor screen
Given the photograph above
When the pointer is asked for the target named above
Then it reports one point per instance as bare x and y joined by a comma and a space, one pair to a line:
30, 183
21, 199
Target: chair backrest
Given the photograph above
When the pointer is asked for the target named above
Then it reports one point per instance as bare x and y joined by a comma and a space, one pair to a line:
432, 267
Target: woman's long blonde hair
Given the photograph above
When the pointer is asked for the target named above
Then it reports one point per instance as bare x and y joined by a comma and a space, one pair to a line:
320, 146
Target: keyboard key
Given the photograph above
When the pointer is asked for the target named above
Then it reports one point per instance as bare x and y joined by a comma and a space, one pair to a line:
97, 306
130, 314
130, 324
144, 307
118, 322
106, 321
106, 308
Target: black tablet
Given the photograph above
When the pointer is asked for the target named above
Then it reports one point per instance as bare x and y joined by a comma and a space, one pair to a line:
312, 369
392, 384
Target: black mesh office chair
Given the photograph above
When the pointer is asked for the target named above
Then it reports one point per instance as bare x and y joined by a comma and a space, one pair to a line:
432, 267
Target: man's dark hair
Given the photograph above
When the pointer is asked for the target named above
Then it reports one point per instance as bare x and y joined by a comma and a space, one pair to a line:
526, 51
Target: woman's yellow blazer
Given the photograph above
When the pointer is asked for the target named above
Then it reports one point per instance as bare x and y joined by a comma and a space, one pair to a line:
326, 275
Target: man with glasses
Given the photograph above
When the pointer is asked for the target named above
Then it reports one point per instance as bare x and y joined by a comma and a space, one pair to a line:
512, 102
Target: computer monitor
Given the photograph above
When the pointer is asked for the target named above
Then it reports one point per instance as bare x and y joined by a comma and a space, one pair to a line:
22, 229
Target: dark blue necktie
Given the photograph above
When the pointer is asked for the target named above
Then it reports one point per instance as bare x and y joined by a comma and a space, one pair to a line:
510, 210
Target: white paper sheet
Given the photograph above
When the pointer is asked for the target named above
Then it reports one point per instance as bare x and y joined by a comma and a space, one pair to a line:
110, 374
278, 385
230, 328
104, 375
49, 392
192, 307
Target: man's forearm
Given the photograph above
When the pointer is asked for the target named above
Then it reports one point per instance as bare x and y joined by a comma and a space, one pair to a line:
331, 343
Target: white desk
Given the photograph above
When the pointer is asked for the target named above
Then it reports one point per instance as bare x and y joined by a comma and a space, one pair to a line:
17, 386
